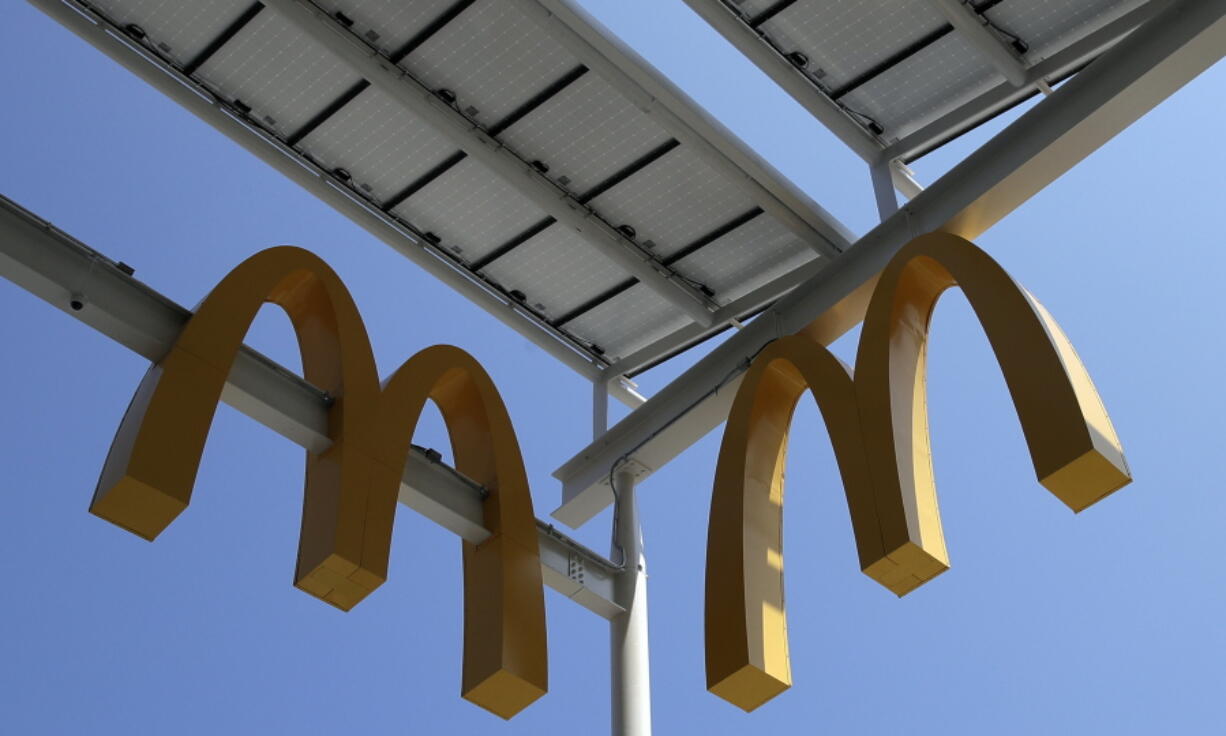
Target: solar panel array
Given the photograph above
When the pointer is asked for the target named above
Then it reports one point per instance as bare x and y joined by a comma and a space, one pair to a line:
605, 210
492, 65
895, 66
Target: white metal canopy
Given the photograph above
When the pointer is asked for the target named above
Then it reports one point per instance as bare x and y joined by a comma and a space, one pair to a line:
542, 164
521, 154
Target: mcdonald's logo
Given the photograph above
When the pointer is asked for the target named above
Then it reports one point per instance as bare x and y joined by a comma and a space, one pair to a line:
351, 489
876, 418
877, 421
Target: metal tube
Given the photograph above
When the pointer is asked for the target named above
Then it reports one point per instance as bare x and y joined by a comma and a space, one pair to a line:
600, 407
630, 671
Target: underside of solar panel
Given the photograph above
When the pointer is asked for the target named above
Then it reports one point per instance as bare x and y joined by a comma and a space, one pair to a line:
522, 146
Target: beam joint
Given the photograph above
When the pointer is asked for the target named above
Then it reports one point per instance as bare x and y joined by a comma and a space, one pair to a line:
1182, 40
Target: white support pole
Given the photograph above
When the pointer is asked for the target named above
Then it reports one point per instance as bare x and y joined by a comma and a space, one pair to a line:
630, 671
600, 407
883, 189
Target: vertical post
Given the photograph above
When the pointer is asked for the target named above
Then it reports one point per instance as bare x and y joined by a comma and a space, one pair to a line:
600, 407
631, 676
883, 188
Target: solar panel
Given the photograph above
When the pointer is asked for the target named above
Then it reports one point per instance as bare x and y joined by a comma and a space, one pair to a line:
892, 67
934, 80
384, 149
1050, 25
493, 59
596, 175
673, 202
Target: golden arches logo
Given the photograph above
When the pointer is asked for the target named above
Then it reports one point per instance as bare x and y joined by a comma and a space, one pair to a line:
351, 489
878, 424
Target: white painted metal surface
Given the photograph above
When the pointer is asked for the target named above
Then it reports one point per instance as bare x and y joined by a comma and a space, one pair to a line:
630, 664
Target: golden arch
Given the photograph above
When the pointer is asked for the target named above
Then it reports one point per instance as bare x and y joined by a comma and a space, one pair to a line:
351, 489
878, 425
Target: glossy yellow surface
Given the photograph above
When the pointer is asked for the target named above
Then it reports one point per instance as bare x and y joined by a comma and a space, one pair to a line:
878, 424
351, 489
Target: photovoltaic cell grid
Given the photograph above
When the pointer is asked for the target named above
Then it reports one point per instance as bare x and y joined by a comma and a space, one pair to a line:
524, 89
897, 65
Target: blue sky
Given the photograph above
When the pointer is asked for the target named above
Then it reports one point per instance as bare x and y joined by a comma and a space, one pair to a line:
1109, 621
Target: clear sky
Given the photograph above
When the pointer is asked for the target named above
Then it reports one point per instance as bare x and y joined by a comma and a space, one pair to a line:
1106, 622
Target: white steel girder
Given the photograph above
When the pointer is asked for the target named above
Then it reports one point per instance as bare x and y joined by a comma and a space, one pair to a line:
1177, 44
62, 271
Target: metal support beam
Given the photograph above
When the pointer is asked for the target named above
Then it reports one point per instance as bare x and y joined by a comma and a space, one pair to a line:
974, 29
62, 271
600, 408
882, 175
319, 183
673, 110
1184, 39
793, 81
628, 650
418, 100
